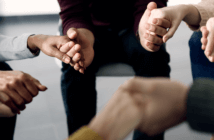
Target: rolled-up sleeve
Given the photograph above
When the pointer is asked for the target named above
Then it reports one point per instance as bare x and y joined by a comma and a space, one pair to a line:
205, 9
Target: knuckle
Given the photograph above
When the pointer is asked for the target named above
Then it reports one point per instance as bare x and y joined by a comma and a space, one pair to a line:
20, 102
29, 100
35, 93
6, 100
153, 28
5, 87
22, 76
129, 84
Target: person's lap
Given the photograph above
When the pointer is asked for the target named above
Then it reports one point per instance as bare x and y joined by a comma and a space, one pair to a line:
78, 90
200, 65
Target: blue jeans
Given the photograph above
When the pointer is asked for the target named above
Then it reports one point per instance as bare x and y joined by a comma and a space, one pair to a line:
201, 66
78, 90
7, 125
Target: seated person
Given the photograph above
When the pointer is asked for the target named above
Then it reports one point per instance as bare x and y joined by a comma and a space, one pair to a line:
18, 88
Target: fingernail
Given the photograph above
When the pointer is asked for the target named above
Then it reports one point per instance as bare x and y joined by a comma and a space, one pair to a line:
155, 21
67, 60
72, 34
165, 39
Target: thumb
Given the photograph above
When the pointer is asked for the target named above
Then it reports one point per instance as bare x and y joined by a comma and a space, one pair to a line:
151, 6
40, 86
58, 54
72, 33
171, 32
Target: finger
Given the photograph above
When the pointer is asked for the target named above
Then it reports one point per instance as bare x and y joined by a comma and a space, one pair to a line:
39, 85
210, 43
81, 63
81, 70
72, 33
31, 86
211, 58
203, 47
152, 47
151, 6
153, 39
66, 47
155, 29
76, 67
76, 48
24, 93
16, 98
171, 31
60, 55
76, 58
5, 99
204, 31
204, 41
161, 22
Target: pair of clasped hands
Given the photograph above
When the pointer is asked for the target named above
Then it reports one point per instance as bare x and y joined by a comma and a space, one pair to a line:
160, 24
18, 88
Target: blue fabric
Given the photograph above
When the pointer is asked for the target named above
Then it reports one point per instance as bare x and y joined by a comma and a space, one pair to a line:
200, 65
7, 125
78, 90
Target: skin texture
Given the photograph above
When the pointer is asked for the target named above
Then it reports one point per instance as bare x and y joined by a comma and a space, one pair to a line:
151, 105
207, 39
147, 39
17, 89
85, 39
60, 47
174, 15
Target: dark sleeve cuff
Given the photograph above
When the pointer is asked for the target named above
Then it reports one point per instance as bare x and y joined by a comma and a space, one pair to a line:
200, 105
77, 24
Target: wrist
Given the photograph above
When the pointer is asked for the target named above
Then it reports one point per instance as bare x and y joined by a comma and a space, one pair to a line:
192, 16
31, 44
118, 119
88, 34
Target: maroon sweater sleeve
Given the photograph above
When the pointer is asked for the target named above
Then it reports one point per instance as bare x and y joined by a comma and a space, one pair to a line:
75, 13
140, 6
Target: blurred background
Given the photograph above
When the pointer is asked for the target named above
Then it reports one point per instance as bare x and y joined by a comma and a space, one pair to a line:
44, 118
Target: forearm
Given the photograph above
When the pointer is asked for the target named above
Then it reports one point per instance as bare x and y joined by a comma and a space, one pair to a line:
192, 15
118, 119
33, 42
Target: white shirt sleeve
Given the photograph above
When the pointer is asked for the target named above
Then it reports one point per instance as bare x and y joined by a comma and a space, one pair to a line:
14, 48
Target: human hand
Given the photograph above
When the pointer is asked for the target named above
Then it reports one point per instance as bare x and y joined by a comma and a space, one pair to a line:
212, 137
151, 33
55, 46
84, 39
169, 17
17, 89
143, 103
174, 15
5, 111
162, 103
119, 117
207, 39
